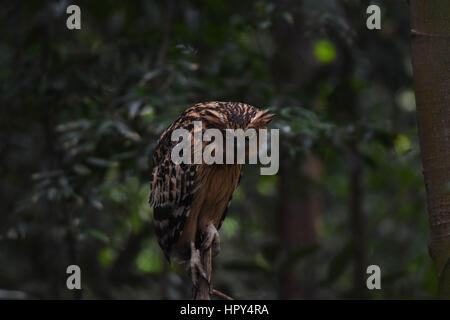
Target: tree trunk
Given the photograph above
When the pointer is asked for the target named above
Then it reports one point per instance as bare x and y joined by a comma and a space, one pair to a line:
299, 207
298, 211
358, 226
431, 64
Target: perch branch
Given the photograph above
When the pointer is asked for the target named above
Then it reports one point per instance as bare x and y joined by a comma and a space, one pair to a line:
203, 289
221, 294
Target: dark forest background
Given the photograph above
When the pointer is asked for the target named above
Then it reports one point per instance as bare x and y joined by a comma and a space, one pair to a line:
81, 111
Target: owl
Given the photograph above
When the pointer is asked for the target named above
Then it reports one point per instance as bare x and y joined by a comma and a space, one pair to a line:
190, 200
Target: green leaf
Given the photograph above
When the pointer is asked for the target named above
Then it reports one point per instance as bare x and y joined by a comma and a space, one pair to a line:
150, 261
266, 185
82, 170
287, 16
402, 144
324, 51
99, 235
106, 256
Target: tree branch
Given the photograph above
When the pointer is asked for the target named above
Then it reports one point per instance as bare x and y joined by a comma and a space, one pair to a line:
203, 290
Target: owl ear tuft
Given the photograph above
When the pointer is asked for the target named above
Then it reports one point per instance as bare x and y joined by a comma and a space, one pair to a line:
262, 118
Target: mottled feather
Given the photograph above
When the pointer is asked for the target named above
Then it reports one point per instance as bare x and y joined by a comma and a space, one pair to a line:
174, 188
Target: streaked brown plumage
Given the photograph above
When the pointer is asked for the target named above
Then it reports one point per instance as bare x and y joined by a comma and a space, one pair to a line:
190, 200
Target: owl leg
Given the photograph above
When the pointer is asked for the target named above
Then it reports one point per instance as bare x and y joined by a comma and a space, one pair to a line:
211, 239
196, 265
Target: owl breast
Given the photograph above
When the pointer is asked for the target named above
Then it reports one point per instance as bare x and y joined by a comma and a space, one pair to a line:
217, 184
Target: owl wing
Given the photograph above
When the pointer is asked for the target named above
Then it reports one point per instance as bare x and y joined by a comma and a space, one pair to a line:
224, 214
172, 191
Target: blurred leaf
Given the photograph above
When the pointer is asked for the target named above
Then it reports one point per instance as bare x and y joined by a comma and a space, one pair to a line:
72, 125
230, 226
102, 162
150, 261
152, 74
287, 16
107, 256
324, 51
406, 99
99, 235
46, 174
148, 112
402, 144
266, 185
262, 262
81, 169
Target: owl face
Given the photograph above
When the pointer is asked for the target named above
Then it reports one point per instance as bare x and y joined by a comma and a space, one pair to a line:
221, 133
246, 137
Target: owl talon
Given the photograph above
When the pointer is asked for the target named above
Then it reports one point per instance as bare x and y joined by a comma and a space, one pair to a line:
196, 266
211, 239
